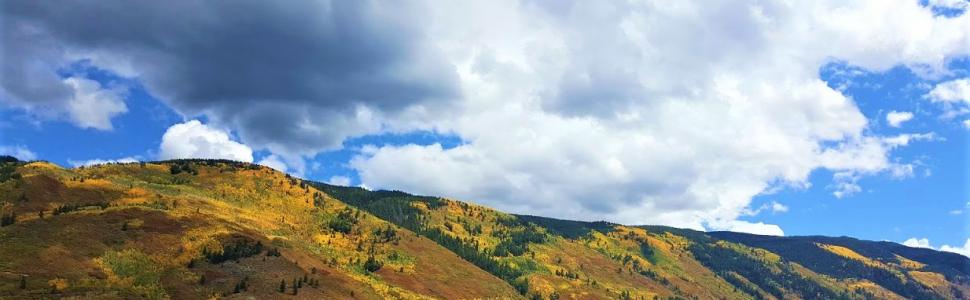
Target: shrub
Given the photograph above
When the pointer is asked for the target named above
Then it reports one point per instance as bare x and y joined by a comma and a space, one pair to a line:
8, 219
233, 250
372, 264
140, 269
344, 221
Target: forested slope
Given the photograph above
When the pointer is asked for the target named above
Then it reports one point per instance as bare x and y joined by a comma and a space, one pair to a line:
221, 229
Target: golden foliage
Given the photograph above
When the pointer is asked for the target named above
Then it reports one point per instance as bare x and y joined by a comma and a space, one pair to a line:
57, 284
929, 279
850, 254
193, 214
909, 264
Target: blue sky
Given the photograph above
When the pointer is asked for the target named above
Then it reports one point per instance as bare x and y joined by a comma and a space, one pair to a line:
739, 124
932, 203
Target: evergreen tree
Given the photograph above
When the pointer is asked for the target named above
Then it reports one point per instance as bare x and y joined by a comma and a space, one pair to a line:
23, 282
372, 265
8, 219
282, 285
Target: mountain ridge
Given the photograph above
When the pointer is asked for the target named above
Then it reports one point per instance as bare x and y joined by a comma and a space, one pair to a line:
225, 229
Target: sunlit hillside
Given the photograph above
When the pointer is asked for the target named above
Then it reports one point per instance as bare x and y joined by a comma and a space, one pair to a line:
190, 229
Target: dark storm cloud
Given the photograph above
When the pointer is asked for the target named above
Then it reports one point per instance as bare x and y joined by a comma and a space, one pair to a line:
226, 58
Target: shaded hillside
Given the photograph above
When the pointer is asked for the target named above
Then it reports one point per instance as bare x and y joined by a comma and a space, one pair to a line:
212, 228
675, 262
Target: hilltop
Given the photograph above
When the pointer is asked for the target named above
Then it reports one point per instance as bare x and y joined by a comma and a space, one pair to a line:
189, 229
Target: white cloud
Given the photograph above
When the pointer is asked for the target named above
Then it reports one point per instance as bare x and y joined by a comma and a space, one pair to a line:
669, 113
273, 161
83, 102
339, 180
896, 118
951, 4
955, 98
19, 151
965, 249
959, 211
193, 139
957, 90
869, 156
846, 184
772, 206
918, 243
925, 243
92, 106
901, 171
98, 161
674, 113
755, 228
778, 207
905, 139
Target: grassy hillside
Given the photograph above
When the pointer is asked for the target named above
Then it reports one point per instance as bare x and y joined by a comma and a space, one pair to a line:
221, 229
155, 230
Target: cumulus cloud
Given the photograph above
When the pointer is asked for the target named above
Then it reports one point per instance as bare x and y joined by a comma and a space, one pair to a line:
19, 151
965, 249
896, 118
925, 243
866, 157
87, 103
773, 207
954, 95
339, 180
193, 139
597, 112
98, 161
918, 243
273, 161
673, 113
755, 228
953, 91
295, 78
30, 64
846, 184
778, 207
92, 106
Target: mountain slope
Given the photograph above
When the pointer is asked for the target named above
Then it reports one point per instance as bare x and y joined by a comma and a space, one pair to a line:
211, 228
140, 230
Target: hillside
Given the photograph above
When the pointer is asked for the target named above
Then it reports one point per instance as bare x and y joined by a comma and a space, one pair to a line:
189, 229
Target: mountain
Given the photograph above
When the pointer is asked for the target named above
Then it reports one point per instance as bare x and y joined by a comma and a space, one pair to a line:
190, 229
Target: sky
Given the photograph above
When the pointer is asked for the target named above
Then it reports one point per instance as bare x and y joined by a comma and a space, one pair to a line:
770, 117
